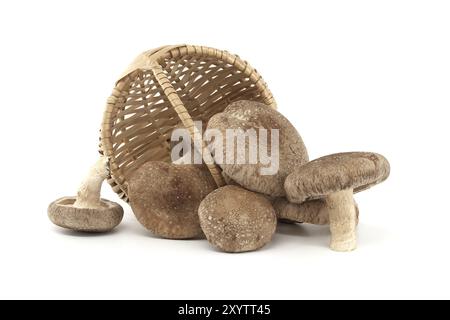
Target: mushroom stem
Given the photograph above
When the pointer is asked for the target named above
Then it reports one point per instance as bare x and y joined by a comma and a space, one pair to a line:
88, 195
343, 220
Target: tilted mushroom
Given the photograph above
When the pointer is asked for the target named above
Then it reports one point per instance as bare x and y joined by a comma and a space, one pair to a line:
248, 117
334, 178
312, 212
87, 212
237, 220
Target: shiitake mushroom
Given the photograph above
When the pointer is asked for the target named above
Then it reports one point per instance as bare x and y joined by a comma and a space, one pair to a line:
165, 198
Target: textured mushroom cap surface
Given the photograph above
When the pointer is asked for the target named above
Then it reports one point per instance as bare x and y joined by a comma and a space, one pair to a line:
62, 213
336, 172
165, 198
237, 220
247, 115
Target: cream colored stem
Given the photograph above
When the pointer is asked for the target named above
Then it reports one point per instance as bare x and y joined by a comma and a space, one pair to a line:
343, 220
88, 195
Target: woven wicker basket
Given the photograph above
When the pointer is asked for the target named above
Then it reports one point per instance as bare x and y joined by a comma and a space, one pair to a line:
163, 89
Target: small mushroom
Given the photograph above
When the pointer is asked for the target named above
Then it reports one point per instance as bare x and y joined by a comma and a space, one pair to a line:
312, 212
334, 178
237, 220
286, 153
87, 212
165, 198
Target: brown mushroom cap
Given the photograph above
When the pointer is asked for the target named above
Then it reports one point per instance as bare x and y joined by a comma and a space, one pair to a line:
237, 220
312, 212
62, 213
165, 198
247, 115
336, 172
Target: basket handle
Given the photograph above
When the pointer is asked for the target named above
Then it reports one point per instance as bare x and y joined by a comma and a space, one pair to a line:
186, 119
145, 59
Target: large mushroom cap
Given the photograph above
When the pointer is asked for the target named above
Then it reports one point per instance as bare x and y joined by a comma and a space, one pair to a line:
62, 213
165, 198
288, 152
336, 172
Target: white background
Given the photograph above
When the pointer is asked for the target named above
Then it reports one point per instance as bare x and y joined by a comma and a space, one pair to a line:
351, 75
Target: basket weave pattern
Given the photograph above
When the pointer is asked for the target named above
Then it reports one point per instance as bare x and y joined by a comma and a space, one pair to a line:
166, 88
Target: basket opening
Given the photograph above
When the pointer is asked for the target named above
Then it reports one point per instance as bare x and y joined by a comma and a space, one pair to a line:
144, 119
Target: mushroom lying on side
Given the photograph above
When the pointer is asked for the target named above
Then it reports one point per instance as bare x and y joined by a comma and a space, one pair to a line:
87, 212
237, 220
312, 212
334, 179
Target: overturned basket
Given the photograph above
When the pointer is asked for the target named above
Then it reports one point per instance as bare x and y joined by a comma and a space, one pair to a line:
164, 88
